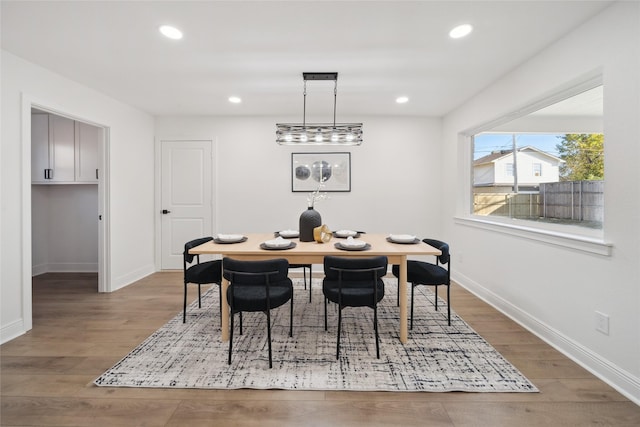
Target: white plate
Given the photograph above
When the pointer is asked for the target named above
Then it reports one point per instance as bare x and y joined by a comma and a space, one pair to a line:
277, 243
353, 243
346, 233
402, 238
289, 233
230, 237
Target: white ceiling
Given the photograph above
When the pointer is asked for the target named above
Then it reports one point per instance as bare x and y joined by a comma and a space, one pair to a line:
257, 50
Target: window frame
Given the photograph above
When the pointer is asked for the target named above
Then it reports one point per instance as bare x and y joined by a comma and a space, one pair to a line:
565, 235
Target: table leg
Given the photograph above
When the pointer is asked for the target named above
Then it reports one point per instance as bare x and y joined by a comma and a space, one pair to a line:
402, 294
224, 324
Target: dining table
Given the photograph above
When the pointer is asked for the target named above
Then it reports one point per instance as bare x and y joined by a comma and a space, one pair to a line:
251, 247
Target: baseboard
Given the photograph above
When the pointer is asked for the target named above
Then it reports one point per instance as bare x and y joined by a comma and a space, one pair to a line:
623, 381
11, 331
65, 267
127, 279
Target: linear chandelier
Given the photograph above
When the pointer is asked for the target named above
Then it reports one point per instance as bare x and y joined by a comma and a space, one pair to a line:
319, 133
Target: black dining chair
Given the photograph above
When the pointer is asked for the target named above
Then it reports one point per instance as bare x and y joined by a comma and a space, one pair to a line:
304, 274
199, 273
257, 286
426, 273
354, 282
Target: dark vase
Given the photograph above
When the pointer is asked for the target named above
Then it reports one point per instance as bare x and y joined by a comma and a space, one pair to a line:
309, 220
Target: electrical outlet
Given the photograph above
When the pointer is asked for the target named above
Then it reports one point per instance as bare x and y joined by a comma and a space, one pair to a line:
602, 323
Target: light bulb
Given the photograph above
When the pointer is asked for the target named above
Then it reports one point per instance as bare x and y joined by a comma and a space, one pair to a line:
460, 31
288, 137
334, 136
303, 137
171, 32
318, 137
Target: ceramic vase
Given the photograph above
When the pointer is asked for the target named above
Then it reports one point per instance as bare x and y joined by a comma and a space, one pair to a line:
309, 220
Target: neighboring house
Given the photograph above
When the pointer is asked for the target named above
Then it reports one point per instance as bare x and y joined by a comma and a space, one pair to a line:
495, 172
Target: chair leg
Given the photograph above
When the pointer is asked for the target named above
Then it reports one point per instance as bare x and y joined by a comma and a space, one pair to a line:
325, 314
375, 328
436, 292
449, 304
269, 336
291, 318
304, 274
220, 293
412, 288
339, 327
230, 336
184, 310
199, 296
310, 280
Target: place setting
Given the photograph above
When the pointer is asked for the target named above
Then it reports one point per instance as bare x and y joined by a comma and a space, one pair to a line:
287, 234
403, 239
277, 244
352, 244
229, 238
344, 234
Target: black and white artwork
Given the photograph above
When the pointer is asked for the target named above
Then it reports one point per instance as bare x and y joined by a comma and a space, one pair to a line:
309, 170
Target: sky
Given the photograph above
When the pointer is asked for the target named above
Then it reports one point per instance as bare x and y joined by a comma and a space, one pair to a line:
485, 143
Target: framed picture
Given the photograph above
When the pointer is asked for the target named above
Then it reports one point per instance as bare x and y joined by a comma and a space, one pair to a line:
308, 169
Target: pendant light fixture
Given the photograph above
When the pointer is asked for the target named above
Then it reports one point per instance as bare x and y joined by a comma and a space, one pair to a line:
319, 133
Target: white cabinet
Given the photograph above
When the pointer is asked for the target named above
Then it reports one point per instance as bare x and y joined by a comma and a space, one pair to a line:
39, 147
87, 144
63, 151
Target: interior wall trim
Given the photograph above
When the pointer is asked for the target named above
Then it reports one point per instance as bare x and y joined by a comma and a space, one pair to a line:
623, 381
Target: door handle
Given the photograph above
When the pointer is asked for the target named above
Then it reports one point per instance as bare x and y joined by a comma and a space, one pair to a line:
164, 211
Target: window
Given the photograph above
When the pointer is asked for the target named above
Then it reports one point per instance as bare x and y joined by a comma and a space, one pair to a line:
537, 169
509, 169
564, 140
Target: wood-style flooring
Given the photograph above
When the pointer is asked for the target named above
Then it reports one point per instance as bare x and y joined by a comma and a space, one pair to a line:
46, 375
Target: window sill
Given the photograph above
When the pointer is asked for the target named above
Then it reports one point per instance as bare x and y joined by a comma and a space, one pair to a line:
588, 244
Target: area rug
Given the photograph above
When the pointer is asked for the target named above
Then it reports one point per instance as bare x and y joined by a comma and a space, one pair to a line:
436, 358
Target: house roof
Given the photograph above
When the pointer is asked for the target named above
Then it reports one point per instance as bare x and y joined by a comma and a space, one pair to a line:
496, 155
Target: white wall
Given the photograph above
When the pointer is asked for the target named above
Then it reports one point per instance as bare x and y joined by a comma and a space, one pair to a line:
130, 182
64, 232
395, 175
555, 290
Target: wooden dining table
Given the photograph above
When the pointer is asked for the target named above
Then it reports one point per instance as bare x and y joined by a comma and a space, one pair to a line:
314, 253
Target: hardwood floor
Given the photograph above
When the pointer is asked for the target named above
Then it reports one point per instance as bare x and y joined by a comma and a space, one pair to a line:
46, 375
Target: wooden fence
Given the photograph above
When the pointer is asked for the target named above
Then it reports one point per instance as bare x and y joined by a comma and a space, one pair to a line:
576, 200
569, 200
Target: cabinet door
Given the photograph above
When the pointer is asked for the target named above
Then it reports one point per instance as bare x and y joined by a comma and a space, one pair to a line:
39, 147
62, 144
87, 145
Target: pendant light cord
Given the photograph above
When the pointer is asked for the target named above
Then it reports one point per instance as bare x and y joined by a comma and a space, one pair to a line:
335, 100
304, 106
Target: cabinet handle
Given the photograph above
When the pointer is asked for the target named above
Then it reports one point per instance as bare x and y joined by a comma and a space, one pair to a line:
96, 173
46, 174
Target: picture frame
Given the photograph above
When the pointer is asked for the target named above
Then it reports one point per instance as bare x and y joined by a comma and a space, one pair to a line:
307, 168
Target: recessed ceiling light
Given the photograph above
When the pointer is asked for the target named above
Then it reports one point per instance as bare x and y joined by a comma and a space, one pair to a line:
460, 31
402, 99
171, 32
235, 99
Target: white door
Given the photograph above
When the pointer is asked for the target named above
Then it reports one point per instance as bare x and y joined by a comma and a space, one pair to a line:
186, 196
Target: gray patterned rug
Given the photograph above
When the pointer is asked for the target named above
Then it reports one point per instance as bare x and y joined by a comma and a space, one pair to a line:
437, 357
